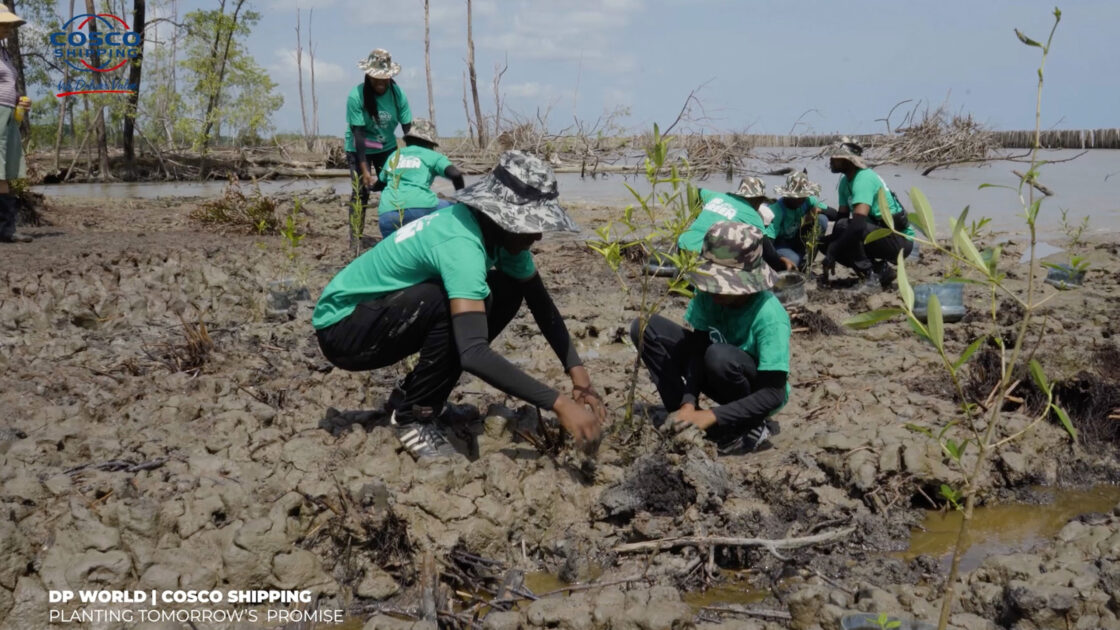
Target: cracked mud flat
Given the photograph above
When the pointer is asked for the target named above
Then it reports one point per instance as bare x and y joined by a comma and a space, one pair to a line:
129, 461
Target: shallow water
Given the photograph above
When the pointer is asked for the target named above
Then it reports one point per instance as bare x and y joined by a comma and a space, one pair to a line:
1089, 185
1010, 528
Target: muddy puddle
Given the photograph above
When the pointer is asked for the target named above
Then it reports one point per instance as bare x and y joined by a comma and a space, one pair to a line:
1009, 528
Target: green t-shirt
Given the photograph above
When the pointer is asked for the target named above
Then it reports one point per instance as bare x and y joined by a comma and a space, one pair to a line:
760, 328
865, 189
786, 225
392, 109
717, 207
408, 176
445, 245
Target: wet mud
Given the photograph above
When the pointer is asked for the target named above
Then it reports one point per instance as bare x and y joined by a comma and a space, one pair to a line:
164, 426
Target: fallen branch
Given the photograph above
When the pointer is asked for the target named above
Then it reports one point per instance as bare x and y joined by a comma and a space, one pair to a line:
751, 612
725, 541
119, 465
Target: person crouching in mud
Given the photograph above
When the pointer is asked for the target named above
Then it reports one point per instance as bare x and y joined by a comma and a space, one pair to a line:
745, 205
738, 351
445, 285
859, 215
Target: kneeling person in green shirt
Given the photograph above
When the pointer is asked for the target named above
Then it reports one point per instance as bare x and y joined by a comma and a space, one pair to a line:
445, 285
408, 175
745, 205
738, 351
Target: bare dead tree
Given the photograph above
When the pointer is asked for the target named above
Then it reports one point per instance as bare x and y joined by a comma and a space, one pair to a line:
481, 125
314, 95
467, 109
299, 74
499, 70
99, 122
428, 62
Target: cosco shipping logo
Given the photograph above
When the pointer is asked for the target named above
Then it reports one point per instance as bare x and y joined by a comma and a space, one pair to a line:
96, 53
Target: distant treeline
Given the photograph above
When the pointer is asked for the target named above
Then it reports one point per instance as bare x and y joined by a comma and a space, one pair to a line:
1054, 139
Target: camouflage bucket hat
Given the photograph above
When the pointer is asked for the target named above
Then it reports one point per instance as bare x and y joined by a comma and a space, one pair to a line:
798, 186
422, 129
520, 196
731, 261
751, 187
848, 150
379, 65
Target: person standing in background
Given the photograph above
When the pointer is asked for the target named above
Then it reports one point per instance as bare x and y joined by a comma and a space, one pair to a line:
12, 108
373, 110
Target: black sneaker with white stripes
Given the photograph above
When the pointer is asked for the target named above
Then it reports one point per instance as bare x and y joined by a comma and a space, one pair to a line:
423, 440
752, 439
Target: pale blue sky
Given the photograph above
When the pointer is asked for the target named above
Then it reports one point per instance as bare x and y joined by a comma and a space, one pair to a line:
763, 62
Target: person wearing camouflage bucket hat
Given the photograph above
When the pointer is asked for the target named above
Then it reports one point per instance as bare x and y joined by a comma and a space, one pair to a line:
408, 175
746, 205
737, 353
858, 215
445, 285
519, 196
797, 218
374, 108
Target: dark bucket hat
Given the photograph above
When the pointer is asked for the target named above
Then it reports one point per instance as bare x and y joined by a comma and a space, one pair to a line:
520, 196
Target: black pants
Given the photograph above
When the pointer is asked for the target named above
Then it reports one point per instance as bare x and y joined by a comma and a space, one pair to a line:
383, 331
376, 162
862, 257
673, 355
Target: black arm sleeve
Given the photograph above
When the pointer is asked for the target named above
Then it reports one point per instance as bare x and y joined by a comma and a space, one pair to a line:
476, 357
769, 394
851, 242
359, 144
550, 321
455, 175
406, 127
832, 213
770, 255
696, 341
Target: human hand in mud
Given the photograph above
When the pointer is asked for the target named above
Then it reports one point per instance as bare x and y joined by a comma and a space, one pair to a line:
584, 428
790, 266
583, 392
689, 416
367, 179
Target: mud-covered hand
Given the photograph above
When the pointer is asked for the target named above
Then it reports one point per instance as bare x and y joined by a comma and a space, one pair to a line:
583, 392
367, 179
789, 264
687, 416
584, 428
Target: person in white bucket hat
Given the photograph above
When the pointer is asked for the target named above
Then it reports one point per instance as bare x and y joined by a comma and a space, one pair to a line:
12, 163
373, 110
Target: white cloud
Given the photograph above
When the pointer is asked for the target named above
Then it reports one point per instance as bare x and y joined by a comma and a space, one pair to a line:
530, 90
285, 69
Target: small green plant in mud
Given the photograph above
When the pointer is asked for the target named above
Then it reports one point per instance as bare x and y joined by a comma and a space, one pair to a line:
648, 230
979, 423
357, 215
1075, 232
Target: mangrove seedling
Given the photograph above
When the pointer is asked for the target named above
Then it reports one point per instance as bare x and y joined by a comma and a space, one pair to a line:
980, 423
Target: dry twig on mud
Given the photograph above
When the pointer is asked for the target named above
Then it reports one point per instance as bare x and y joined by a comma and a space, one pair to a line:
771, 545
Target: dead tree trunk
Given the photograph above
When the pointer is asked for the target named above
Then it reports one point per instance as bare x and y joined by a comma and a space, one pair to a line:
62, 111
480, 126
499, 71
314, 95
299, 73
428, 62
99, 122
134, 73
